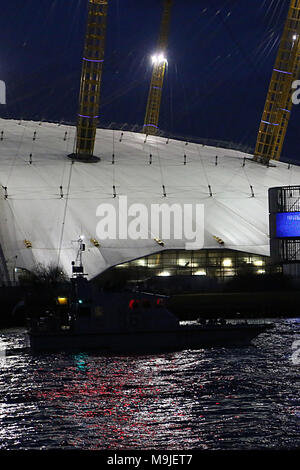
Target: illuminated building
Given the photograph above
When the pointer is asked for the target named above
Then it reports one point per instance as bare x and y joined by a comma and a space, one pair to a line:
52, 201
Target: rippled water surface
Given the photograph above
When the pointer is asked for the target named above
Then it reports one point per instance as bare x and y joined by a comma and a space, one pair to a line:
245, 398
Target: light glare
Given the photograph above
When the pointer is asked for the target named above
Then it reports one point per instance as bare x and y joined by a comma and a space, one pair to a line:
158, 59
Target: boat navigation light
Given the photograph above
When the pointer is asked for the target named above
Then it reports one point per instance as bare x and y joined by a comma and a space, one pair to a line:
62, 300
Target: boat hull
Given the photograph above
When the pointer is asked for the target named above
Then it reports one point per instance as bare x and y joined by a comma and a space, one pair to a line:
145, 341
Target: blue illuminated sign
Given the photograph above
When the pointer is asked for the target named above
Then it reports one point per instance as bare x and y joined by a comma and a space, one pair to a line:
288, 224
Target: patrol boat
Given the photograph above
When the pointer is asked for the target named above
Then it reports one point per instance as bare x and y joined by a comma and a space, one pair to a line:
127, 322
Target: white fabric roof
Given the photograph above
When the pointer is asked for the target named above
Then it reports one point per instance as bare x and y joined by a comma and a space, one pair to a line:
34, 210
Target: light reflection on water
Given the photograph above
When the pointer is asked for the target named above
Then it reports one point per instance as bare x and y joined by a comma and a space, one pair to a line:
245, 398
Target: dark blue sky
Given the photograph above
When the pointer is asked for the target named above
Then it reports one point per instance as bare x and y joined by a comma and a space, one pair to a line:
220, 60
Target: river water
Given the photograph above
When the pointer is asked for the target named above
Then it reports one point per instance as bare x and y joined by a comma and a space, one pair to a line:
242, 398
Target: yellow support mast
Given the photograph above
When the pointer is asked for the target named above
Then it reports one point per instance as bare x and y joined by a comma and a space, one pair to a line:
278, 106
90, 85
159, 66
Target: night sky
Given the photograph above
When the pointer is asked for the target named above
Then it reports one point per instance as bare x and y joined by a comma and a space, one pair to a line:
220, 59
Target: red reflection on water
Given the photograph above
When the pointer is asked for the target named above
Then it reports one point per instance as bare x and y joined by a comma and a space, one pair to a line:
111, 402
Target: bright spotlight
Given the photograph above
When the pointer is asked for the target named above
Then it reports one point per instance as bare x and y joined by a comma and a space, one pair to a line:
158, 59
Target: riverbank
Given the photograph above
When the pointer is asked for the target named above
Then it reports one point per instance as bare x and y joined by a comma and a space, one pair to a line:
270, 304
187, 306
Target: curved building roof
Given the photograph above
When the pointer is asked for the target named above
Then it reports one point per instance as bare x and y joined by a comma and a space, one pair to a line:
51, 202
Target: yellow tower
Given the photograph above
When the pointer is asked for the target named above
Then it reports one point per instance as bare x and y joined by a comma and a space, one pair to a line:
159, 65
278, 106
89, 97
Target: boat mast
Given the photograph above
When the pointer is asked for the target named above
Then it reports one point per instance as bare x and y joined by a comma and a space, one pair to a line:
77, 266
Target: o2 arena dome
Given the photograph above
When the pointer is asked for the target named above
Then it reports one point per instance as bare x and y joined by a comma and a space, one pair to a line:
64, 187
49, 201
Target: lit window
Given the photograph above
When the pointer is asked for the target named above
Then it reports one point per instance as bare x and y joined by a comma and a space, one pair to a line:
164, 273
227, 262
258, 263
184, 263
141, 262
200, 273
